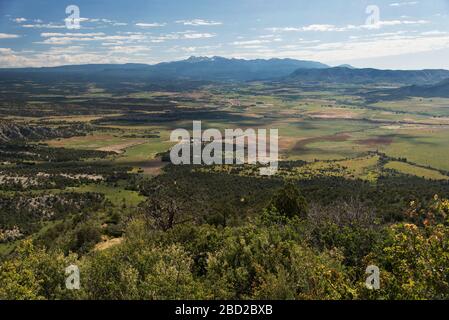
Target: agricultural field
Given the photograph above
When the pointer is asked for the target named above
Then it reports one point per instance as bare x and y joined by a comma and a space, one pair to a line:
325, 124
406, 168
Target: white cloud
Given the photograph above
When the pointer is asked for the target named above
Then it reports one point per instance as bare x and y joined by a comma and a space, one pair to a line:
349, 27
150, 25
388, 34
190, 35
19, 20
165, 37
320, 27
52, 34
129, 49
8, 36
68, 38
6, 50
403, 4
199, 22
68, 34
189, 49
44, 26
433, 33
56, 56
284, 29
250, 42
353, 50
102, 22
9, 58
198, 35
91, 22
119, 48
252, 47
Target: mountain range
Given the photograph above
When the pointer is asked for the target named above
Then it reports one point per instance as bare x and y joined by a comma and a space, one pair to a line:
223, 69
193, 68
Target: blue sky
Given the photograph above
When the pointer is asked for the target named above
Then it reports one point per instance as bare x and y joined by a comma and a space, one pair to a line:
408, 34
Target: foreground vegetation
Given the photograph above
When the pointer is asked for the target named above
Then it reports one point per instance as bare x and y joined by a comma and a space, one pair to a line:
289, 250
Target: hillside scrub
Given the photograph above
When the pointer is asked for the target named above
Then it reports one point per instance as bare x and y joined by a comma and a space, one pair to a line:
276, 254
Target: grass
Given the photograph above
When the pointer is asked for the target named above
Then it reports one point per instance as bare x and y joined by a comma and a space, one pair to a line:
89, 142
80, 118
429, 106
425, 146
117, 195
410, 169
143, 152
365, 168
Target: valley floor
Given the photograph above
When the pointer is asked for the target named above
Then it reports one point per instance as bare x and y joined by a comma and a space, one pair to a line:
359, 183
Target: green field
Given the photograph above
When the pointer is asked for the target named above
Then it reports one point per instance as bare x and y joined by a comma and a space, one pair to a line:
116, 195
320, 123
409, 169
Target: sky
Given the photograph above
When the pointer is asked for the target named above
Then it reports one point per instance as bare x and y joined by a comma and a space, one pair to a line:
385, 34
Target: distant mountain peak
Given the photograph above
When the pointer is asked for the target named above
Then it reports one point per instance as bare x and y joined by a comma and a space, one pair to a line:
346, 66
194, 59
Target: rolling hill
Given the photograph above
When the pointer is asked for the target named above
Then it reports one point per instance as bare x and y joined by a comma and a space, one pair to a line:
439, 90
362, 76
